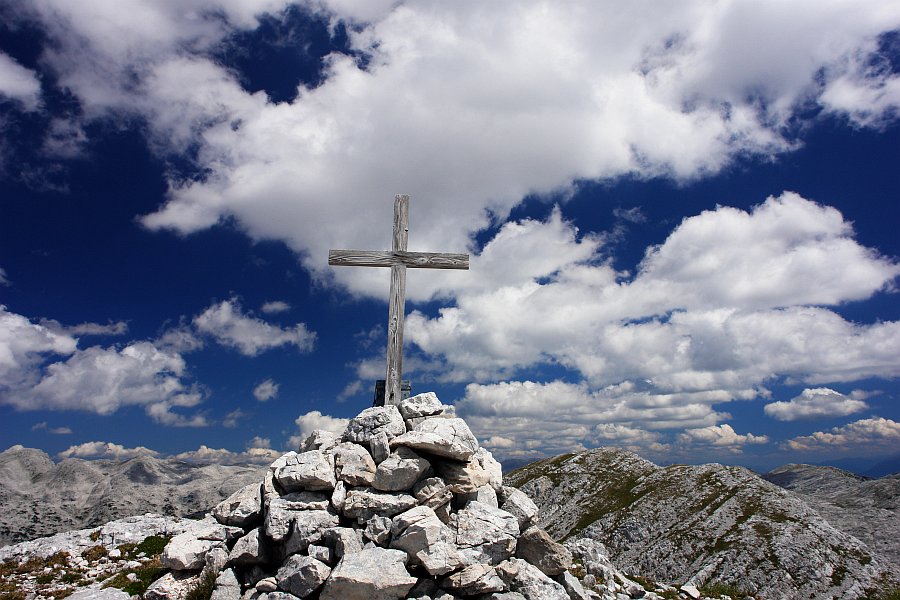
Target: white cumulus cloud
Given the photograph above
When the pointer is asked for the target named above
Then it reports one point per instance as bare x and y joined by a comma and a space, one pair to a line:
498, 101
221, 456
229, 326
105, 450
814, 403
729, 301
266, 390
314, 419
96, 379
720, 436
859, 437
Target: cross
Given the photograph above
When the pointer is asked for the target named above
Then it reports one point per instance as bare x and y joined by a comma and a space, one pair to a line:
397, 259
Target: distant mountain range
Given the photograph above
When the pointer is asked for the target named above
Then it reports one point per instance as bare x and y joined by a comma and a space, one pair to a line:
39, 497
800, 531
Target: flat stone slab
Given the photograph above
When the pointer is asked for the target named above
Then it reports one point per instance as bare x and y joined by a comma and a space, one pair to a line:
448, 438
421, 405
373, 574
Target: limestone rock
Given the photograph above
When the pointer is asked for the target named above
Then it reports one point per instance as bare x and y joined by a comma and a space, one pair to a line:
252, 549
172, 586
353, 464
301, 575
572, 586
319, 439
226, 587
379, 447
311, 470
267, 584
539, 549
282, 511
485, 534
485, 494
187, 551
432, 492
339, 496
102, 594
344, 540
378, 529
242, 509
375, 420
493, 467
529, 581
474, 580
426, 540
373, 574
365, 503
421, 405
517, 503
690, 591
448, 438
308, 528
322, 553
215, 560
400, 471
463, 477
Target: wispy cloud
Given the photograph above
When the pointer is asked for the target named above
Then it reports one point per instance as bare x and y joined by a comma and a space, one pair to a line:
860, 437
230, 326
266, 390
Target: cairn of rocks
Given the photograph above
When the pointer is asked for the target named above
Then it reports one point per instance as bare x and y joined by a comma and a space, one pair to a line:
404, 504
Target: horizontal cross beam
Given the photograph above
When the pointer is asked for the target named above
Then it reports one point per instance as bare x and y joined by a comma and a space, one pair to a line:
374, 258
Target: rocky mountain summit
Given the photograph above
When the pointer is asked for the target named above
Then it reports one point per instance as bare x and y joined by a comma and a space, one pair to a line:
405, 504
39, 497
707, 524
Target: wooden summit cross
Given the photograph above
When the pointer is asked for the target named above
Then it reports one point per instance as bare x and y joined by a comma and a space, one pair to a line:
397, 258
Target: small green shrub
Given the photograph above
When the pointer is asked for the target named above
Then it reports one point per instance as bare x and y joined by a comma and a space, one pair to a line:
146, 574
95, 535
71, 577
44, 578
153, 545
204, 588
716, 590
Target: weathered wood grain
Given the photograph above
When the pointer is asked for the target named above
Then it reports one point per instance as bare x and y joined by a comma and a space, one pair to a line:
396, 307
415, 260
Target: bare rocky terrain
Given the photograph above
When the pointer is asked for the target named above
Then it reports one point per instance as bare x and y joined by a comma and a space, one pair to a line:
715, 524
868, 509
635, 529
39, 497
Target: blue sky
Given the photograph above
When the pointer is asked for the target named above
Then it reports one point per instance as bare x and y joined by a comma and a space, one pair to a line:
681, 218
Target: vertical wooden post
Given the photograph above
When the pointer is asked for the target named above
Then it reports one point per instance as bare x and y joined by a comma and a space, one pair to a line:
392, 392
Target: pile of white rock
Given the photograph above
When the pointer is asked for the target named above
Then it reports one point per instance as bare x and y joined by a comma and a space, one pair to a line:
404, 504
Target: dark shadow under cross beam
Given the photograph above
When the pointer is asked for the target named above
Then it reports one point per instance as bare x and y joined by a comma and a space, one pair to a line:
398, 259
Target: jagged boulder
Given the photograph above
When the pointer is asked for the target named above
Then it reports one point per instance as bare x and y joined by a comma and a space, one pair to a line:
242, 509
301, 575
539, 549
373, 422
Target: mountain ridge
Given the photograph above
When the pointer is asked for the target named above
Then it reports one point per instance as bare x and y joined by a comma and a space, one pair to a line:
702, 524
39, 497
